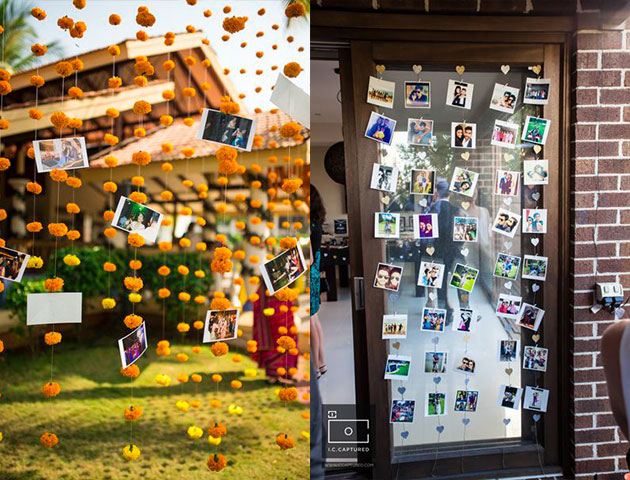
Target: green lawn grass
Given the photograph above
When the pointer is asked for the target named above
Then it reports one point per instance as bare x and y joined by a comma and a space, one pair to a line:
87, 418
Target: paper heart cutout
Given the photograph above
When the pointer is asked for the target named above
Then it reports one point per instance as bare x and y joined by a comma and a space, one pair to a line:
423, 202
435, 340
384, 152
465, 205
535, 241
402, 390
535, 337
505, 69
417, 69
536, 417
535, 287
507, 245
401, 257
536, 196
422, 155
393, 297
396, 345
536, 69
507, 201
509, 370
437, 380
380, 69
508, 285
432, 296
385, 199
464, 252
465, 155
325, 254
404, 434
507, 157
466, 381
537, 148
619, 313
439, 428
344, 258
506, 421
460, 69
465, 421
430, 250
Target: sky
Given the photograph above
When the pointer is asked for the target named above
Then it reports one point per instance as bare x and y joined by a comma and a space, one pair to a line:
174, 16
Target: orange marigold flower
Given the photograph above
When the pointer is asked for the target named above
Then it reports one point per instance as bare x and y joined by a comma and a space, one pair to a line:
168, 65
295, 9
51, 389
134, 284
290, 129
53, 284
52, 338
234, 24
141, 107
286, 342
141, 158
292, 69
109, 267
164, 271
219, 349
288, 242
183, 297
165, 246
34, 188
284, 441
144, 18
220, 304
110, 187
48, 440
164, 293
35, 113
58, 229
135, 264
74, 182
132, 321
111, 140
72, 208
132, 413
110, 232
142, 35
114, 19
75, 92
227, 160
189, 92
64, 68
38, 50
138, 197
290, 186
34, 227
132, 371
114, 82
288, 394
38, 13
216, 462
59, 119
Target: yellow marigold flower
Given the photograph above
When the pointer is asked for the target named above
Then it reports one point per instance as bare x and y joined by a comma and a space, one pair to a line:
182, 405
35, 262
200, 274
71, 260
183, 270
131, 452
108, 303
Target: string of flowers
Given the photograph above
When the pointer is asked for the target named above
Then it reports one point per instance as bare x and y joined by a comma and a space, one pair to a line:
4, 162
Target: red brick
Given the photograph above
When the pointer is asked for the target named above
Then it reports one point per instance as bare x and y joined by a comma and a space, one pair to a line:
591, 217
614, 264
625, 183
583, 421
585, 314
615, 60
595, 466
612, 449
625, 117
584, 266
607, 476
609, 78
596, 435
588, 250
583, 391
614, 96
613, 200
586, 60
583, 329
584, 451
624, 248
583, 283
614, 166
625, 146
584, 200
599, 40
586, 96
605, 420
585, 132
601, 390
585, 184
602, 326
598, 114
584, 234
596, 149
583, 346
584, 167
616, 131
595, 375
582, 361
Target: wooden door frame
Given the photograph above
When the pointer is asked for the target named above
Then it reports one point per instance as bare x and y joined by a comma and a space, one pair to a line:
356, 64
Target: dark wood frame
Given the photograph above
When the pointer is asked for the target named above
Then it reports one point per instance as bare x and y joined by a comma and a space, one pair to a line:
364, 40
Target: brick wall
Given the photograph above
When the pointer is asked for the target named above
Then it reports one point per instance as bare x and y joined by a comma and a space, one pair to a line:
600, 158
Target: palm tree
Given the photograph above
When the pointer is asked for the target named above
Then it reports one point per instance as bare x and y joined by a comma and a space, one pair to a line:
19, 34
307, 6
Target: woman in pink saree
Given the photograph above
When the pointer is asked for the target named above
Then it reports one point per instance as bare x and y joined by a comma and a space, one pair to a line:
266, 334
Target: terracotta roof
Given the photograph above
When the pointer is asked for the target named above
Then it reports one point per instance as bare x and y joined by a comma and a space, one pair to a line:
180, 136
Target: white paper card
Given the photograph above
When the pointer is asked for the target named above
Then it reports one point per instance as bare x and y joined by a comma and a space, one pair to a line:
49, 308
292, 100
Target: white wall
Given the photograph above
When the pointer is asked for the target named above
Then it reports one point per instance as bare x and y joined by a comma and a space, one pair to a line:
332, 193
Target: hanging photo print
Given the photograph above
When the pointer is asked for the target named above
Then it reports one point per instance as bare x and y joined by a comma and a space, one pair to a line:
418, 94
435, 404
534, 267
466, 365
534, 220
506, 223
133, 217
507, 183
435, 362
536, 399
504, 98
422, 182
220, 325
535, 358
463, 135
465, 229
61, 154
402, 411
530, 316
464, 181
459, 94
394, 326
466, 400
510, 397
386, 225
420, 132
384, 178
397, 367
380, 128
508, 306
12, 264
430, 274
133, 345
227, 129
433, 320
504, 134
464, 277
536, 130
388, 277
463, 320
535, 172
425, 225
283, 269
381, 92
537, 91
507, 266
508, 350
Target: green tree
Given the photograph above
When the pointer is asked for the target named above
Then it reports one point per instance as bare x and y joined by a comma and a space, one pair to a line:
19, 35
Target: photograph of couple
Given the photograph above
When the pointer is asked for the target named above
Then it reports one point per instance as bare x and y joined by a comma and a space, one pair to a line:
232, 130
133, 217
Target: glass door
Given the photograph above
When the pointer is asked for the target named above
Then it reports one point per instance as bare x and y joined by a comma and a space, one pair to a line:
460, 188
